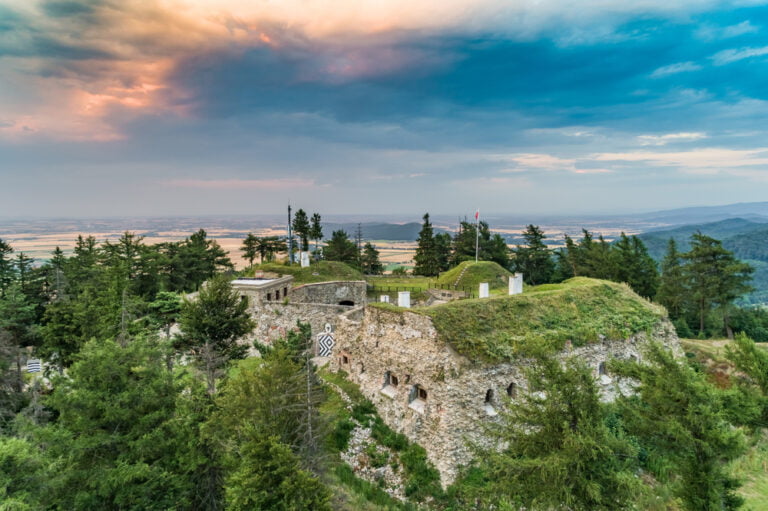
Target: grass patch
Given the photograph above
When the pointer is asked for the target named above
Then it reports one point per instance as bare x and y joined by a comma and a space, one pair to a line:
322, 271
475, 274
581, 309
752, 469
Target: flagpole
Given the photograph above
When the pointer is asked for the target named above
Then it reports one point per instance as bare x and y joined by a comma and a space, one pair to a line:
477, 232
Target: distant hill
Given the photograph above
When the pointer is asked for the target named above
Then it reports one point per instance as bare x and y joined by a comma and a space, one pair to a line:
747, 239
753, 211
378, 231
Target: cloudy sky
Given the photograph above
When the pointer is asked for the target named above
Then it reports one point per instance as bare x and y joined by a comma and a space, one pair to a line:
166, 107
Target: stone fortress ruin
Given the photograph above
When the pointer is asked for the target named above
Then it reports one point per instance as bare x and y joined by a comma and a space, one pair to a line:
422, 371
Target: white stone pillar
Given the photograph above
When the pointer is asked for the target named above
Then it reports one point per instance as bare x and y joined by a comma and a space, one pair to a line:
484, 291
404, 299
305, 259
384, 298
516, 284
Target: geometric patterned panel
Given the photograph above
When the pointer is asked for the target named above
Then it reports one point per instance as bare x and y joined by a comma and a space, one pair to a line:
325, 342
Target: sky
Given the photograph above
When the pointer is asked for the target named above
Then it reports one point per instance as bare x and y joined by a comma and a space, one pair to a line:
197, 107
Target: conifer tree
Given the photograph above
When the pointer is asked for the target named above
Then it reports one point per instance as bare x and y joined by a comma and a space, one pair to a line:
426, 252
370, 263
211, 325
680, 417
250, 248
715, 278
534, 260
316, 230
302, 228
6, 266
340, 248
558, 451
673, 291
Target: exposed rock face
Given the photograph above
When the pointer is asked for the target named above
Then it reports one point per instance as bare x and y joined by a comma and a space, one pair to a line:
438, 398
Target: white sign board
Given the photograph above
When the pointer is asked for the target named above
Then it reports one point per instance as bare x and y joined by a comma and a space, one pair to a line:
404, 299
484, 291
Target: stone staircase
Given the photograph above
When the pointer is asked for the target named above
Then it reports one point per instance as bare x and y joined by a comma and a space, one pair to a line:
461, 275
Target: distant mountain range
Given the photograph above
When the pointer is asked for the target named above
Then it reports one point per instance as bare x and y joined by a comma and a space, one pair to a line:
754, 211
747, 239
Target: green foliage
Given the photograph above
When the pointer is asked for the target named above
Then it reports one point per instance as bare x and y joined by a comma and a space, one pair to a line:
426, 257
24, 475
678, 416
302, 228
672, 292
580, 310
560, 451
470, 274
267, 475
250, 248
118, 436
341, 248
369, 260
489, 247
211, 325
715, 277
534, 260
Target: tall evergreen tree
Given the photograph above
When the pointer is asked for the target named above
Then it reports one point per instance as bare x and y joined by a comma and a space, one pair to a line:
558, 451
534, 260
673, 291
426, 251
340, 248
715, 278
370, 263
302, 228
443, 251
250, 248
316, 230
211, 324
679, 417
6, 266
632, 264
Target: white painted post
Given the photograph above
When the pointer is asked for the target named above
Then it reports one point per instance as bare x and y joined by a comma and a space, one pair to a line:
384, 298
516, 284
305, 259
484, 291
404, 299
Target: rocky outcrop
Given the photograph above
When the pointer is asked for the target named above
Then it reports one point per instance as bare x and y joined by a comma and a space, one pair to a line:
440, 399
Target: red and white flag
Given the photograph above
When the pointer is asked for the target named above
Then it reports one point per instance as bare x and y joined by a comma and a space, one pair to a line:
477, 215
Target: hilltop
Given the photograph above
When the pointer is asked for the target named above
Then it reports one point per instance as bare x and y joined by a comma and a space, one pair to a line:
471, 274
580, 310
322, 271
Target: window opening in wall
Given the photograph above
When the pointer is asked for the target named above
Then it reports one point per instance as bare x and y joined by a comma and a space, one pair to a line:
285, 292
390, 385
243, 298
488, 406
344, 359
347, 302
417, 398
277, 294
601, 371
269, 297
512, 390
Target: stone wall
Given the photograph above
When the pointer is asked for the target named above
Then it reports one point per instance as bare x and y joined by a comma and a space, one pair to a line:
331, 293
405, 345
274, 319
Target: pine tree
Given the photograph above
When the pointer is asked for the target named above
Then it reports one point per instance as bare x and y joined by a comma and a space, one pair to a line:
340, 248
316, 230
302, 228
211, 325
6, 266
250, 248
426, 251
715, 278
443, 251
680, 417
558, 451
673, 291
534, 260
370, 263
